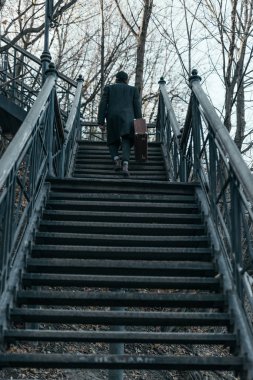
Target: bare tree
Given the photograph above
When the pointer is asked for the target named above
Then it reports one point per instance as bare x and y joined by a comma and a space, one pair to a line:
140, 33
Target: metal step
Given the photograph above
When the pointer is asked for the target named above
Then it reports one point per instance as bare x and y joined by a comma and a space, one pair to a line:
158, 229
107, 171
99, 149
96, 161
181, 363
121, 337
103, 157
120, 253
119, 216
117, 176
116, 281
121, 240
124, 186
122, 318
101, 144
120, 267
136, 167
149, 207
123, 197
118, 299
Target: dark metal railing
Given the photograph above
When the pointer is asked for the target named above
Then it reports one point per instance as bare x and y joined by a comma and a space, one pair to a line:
21, 78
72, 131
204, 152
34, 153
168, 132
214, 160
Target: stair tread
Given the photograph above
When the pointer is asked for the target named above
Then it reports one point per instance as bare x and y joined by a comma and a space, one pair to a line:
104, 317
129, 299
121, 361
155, 226
109, 171
127, 252
129, 238
121, 204
124, 214
150, 282
120, 267
117, 295
83, 248
142, 264
121, 197
96, 182
107, 165
127, 337
115, 176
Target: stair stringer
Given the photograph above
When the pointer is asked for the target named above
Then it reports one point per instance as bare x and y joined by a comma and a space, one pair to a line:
241, 325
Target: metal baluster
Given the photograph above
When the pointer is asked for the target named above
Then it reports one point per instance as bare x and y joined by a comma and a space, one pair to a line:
213, 174
236, 233
50, 120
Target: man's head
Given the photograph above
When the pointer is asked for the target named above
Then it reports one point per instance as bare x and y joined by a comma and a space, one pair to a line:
121, 76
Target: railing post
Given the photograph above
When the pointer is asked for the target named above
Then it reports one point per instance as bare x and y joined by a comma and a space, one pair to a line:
45, 56
160, 119
235, 232
50, 120
213, 174
80, 80
196, 125
72, 130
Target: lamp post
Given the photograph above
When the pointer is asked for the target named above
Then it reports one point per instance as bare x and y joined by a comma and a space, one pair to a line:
45, 56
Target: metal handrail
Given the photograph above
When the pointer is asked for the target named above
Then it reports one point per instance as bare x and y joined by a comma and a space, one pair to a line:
75, 105
168, 105
168, 132
21, 140
72, 130
208, 155
34, 154
234, 156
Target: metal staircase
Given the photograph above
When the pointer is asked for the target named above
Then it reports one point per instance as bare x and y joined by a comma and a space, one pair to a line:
148, 273
137, 245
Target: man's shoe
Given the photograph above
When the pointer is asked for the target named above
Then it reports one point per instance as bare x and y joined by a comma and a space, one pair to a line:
117, 165
125, 170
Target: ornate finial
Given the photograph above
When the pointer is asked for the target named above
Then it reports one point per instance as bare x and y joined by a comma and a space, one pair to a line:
194, 76
80, 78
162, 81
51, 69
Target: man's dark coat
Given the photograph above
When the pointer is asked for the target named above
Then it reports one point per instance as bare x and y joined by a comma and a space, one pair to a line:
119, 105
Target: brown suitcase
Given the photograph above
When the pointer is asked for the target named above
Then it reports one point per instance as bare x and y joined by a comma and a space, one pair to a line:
140, 140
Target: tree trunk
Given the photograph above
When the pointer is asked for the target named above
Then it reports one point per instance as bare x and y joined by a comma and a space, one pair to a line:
102, 58
228, 106
141, 41
240, 114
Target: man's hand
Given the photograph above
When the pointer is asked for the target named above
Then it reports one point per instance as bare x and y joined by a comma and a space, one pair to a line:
102, 128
